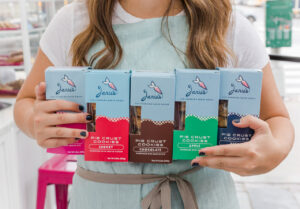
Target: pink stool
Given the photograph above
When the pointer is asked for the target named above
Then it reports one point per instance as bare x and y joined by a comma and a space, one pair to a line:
58, 170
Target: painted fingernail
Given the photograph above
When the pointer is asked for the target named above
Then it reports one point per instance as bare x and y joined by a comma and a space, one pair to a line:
80, 107
83, 133
195, 164
89, 117
201, 153
77, 138
236, 120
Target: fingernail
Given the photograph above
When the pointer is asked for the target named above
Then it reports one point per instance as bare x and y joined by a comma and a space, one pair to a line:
201, 153
83, 133
236, 120
89, 117
195, 165
80, 107
77, 138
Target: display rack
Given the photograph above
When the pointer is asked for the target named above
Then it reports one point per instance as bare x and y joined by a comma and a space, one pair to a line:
24, 34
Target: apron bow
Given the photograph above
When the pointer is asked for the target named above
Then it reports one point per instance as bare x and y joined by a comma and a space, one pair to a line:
160, 195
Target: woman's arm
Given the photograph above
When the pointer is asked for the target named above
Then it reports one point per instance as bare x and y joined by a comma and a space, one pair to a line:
23, 110
37, 117
274, 112
270, 144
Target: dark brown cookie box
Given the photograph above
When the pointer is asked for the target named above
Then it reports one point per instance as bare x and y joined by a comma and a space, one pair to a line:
157, 141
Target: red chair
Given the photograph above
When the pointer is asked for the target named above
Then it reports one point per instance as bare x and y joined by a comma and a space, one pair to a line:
58, 170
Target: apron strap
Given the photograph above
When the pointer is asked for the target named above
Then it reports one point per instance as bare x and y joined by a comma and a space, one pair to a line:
159, 196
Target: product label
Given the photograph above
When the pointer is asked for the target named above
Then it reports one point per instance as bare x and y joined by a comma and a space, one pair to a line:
108, 103
151, 117
240, 96
196, 112
154, 144
109, 142
67, 84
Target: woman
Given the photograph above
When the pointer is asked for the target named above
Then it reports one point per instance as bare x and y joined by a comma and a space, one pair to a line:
156, 35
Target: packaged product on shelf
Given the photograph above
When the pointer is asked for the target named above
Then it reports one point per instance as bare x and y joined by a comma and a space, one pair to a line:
196, 112
6, 25
13, 59
107, 97
240, 92
67, 83
151, 117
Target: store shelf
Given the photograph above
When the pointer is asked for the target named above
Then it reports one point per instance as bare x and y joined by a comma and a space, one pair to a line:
27, 38
17, 35
10, 33
19, 32
41, 29
20, 75
14, 67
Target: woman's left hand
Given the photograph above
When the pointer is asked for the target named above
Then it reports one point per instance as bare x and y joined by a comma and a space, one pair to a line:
260, 155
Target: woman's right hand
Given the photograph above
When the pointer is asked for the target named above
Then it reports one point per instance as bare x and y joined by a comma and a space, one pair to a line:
45, 120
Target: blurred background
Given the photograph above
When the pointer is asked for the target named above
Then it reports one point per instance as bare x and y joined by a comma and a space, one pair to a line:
22, 22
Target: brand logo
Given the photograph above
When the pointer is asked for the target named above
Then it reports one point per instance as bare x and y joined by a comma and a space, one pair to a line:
113, 89
156, 89
71, 84
244, 84
201, 84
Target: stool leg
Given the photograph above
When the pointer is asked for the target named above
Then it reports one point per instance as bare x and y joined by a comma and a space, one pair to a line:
61, 191
41, 194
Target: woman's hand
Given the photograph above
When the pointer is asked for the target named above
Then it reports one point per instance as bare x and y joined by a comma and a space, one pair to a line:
260, 155
45, 120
